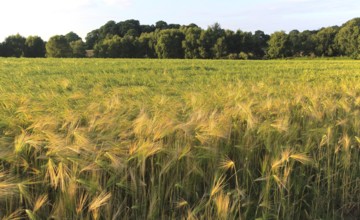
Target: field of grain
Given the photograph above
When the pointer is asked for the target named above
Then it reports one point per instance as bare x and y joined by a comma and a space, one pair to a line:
179, 139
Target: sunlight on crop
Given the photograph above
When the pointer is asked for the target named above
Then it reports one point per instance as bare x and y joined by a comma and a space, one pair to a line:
179, 139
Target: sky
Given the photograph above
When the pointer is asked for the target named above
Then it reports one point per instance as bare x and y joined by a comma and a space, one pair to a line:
47, 18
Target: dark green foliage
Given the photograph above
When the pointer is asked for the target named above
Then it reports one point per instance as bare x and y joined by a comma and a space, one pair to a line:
129, 27
308, 43
325, 42
215, 42
220, 48
161, 25
233, 41
173, 26
92, 38
206, 44
208, 40
348, 38
169, 44
14, 46
109, 29
78, 48
129, 46
192, 25
246, 41
71, 37
260, 40
279, 45
295, 43
147, 42
117, 47
2, 50
58, 46
108, 48
34, 47
190, 41
147, 28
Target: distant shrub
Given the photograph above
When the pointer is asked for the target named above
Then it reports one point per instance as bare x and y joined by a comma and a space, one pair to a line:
243, 56
233, 56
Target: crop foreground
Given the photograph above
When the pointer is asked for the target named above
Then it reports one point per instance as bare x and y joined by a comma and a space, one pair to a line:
179, 139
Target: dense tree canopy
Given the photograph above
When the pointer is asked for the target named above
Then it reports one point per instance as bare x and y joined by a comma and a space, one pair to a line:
129, 27
14, 46
78, 48
279, 45
348, 38
34, 47
2, 50
130, 39
109, 47
325, 42
191, 42
161, 25
71, 37
260, 40
169, 44
147, 42
58, 46
117, 47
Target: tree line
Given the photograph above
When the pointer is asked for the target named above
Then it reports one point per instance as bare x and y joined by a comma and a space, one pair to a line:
70, 45
130, 39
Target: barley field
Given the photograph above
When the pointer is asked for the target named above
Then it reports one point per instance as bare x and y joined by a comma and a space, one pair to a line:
179, 139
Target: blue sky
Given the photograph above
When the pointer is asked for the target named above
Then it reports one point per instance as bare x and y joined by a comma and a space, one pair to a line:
50, 17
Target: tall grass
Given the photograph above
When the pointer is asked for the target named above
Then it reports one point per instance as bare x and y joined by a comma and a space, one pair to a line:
179, 139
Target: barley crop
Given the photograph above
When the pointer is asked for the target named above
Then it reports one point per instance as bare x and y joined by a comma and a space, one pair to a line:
179, 139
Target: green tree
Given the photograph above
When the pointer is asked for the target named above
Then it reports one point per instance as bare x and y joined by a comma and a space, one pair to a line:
347, 39
14, 46
71, 36
278, 45
109, 47
100, 49
240, 42
208, 40
325, 41
215, 42
260, 40
34, 47
129, 27
162, 25
78, 48
173, 26
308, 43
128, 47
191, 42
246, 41
117, 47
220, 48
147, 43
2, 50
295, 43
192, 25
169, 44
92, 38
233, 42
58, 46
206, 44
147, 28
110, 28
